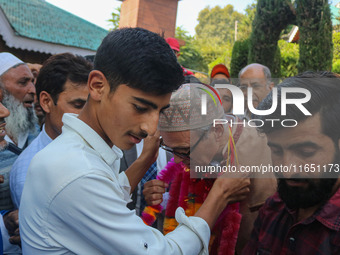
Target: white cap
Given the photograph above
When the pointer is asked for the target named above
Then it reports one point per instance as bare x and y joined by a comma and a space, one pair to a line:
8, 60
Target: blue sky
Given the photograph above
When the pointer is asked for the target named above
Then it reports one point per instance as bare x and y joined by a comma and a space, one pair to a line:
99, 11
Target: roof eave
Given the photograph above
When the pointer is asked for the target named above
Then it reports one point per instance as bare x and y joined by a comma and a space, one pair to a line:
13, 40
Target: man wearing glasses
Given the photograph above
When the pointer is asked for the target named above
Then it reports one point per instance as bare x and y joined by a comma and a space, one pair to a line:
195, 141
257, 77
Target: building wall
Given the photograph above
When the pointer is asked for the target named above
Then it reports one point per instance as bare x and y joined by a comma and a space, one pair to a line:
24, 55
158, 16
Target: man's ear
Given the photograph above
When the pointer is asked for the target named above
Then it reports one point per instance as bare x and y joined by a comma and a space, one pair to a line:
46, 101
97, 84
219, 132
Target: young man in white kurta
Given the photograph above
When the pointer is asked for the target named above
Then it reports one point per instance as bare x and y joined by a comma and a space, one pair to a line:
74, 200
97, 221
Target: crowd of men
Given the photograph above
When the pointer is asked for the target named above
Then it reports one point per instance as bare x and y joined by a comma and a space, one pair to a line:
84, 176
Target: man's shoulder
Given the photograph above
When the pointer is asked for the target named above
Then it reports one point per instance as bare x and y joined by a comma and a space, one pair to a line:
273, 205
7, 158
60, 148
26, 156
66, 152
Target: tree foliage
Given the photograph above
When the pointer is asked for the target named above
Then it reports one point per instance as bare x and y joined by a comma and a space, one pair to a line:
336, 67
218, 23
289, 58
239, 57
315, 25
336, 52
215, 34
115, 18
190, 54
245, 24
314, 21
272, 16
336, 46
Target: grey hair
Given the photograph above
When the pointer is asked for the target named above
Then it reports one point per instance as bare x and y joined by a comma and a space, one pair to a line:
207, 128
266, 73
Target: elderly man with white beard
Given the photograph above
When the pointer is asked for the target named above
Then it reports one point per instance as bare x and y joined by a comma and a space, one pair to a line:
16, 81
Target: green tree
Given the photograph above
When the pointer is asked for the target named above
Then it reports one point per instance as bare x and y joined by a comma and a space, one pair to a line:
289, 58
336, 66
272, 16
190, 54
315, 25
336, 46
115, 18
215, 34
314, 21
218, 23
245, 24
239, 57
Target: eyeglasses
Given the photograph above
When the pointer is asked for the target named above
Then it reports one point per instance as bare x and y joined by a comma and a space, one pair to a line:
185, 156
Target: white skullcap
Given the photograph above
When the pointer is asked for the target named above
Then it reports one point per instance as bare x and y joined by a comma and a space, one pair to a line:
185, 111
8, 60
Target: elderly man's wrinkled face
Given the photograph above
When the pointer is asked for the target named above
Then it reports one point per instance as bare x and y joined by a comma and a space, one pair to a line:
18, 93
197, 147
18, 81
255, 78
304, 146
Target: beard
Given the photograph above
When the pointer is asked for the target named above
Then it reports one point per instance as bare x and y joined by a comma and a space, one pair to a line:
20, 120
318, 191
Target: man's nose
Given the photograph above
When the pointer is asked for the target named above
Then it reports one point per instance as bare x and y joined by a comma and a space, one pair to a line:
150, 123
31, 88
289, 165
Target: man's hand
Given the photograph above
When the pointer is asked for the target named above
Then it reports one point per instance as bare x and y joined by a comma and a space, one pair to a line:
11, 221
150, 148
141, 165
233, 189
2, 179
224, 191
153, 191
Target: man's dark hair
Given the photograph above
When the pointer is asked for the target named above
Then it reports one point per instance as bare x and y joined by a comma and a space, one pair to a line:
140, 59
325, 100
59, 68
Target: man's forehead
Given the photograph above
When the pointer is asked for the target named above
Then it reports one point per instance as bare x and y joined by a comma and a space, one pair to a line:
176, 137
19, 71
308, 130
252, 80
253, 73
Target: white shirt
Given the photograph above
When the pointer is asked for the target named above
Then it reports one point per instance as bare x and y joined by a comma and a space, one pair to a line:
74, 202
20, 166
